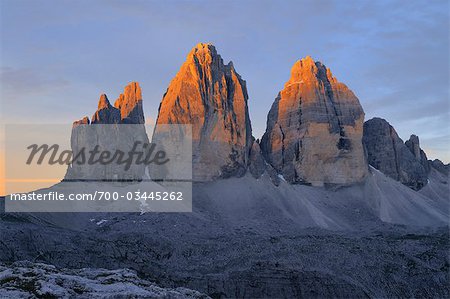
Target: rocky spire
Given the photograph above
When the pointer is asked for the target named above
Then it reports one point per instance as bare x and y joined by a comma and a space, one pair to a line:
106, 113
414, 146
314, 129
387, 153
84, 121
87, 135
212, 97
103, 102
130, 104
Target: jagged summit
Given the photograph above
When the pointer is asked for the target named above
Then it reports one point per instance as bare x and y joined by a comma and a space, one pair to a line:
202, 48
204, 53
106, 113
103, 102
127, 108
314, 129
404, 162
213, 98
304, 63
130, 104
86, 135
84, 121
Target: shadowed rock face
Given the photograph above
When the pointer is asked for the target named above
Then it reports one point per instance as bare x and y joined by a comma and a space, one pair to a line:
414, 146
387, 153
314, 129
213, 98
257, 164
440, 166
127, 108
106, 113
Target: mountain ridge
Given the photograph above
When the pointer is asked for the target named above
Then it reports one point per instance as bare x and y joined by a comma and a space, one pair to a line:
315, 132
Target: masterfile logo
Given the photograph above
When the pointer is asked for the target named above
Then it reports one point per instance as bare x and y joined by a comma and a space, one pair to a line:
101, 167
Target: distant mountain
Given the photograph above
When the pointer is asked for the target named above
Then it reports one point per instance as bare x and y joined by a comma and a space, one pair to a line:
404, 162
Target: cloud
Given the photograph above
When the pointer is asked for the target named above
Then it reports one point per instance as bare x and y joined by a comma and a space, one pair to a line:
19, 83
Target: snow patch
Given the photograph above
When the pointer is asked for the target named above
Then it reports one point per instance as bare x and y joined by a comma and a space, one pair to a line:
102, 221
281, 177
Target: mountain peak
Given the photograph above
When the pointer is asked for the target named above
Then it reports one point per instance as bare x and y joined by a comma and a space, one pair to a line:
103, 102
212, 97
130, 104
203, 53
314, 129
106, 113
404, 162
204, 46
307, 70
307, 59
305, 62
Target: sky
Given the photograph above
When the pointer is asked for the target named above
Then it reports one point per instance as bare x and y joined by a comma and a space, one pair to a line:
57, 57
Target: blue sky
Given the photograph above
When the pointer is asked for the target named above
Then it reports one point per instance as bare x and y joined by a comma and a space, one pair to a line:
57, 57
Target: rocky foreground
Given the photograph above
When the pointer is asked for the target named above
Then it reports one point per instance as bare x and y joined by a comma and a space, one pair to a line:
37, 280
248, 238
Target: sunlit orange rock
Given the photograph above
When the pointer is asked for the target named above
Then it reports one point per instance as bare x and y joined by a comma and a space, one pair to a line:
84, 121
314, 129
213, 98
130, 104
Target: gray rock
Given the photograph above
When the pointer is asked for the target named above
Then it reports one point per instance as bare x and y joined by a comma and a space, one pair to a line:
37, 280
440, 166
414, 146
257, 164
387, 153
247, 238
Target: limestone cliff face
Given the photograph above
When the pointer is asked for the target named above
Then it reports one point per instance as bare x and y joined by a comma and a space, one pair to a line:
212, 97
386, 152
314, 129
